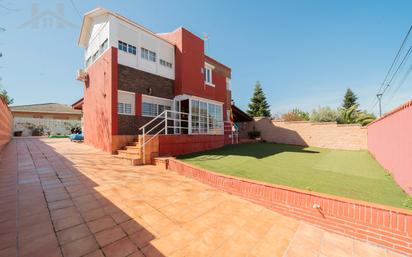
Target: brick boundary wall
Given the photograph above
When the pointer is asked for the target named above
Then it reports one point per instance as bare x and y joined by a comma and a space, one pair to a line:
306, 133
6, 124
390, 140
378, 224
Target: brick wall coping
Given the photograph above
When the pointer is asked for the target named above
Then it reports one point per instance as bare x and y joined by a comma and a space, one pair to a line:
399, 108
297, 190
316, 123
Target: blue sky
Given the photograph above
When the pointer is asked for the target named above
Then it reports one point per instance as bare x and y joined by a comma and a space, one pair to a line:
304, 53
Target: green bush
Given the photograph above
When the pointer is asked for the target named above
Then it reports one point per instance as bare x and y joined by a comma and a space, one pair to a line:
324, 114
296, 115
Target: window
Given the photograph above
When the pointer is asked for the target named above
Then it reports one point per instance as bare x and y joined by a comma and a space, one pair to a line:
148, 55
152, 56
165, 63
95, 55
104, 45
206, 118
125, 102
208, 75
132, 49
144, 53
88, 61
122, 46
153, 106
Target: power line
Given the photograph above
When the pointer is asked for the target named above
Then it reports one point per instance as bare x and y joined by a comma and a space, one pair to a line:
400, 84
390, 68
75, 8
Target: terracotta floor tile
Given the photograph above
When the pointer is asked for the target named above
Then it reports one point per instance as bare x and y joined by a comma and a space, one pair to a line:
120, 248
94, 214
163, 213
109, 236
80, 247
73, 233
97, 253
67, 222
101, 224
131, 227
142, 238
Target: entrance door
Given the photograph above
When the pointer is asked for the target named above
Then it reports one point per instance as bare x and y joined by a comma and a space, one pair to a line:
184, 108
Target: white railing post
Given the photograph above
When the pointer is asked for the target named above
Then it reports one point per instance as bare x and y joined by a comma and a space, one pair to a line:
144, 146
166, 122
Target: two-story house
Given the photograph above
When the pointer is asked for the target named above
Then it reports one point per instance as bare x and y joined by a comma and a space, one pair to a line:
138, 82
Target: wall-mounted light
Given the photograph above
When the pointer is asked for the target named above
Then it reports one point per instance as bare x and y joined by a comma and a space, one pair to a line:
149, 91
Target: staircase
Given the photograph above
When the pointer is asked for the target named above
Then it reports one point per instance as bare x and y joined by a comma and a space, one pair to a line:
132, 152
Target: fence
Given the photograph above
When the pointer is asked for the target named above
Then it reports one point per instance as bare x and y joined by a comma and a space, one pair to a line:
390, 141
6, 124
322, 134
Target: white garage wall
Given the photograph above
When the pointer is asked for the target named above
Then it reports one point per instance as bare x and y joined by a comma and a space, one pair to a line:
53, 126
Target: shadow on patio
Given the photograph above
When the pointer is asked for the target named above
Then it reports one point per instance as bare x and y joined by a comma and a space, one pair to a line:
55, 207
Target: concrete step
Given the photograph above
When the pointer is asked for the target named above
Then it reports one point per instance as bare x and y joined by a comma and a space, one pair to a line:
133, 148
130, 160
127, 153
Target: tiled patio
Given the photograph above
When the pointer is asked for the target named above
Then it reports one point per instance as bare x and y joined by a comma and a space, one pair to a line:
66, 199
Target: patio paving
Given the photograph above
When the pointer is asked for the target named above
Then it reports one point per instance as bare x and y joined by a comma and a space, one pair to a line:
67, 199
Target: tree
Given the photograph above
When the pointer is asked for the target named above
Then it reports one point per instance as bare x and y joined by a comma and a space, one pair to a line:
350, 99
296, 115
5, 96
352, 116
324, 114
258, 106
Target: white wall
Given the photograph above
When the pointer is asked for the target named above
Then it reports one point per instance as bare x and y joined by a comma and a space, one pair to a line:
123, 31
99, 32
114, 29
52, 126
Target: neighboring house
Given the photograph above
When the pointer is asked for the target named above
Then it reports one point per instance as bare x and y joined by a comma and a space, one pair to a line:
133, 75
46, 119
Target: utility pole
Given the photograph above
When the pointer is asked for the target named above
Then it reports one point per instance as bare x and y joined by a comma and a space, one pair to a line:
379, 96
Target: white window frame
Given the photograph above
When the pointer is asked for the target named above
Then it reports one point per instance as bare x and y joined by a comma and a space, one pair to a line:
208, 68
157, 101
131, 102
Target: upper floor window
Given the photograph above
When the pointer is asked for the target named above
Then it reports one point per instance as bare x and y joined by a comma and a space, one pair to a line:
104, 46
208, 75
166, 64
132, 49
95, 55
88, 61
207, 72
152, 56
148, 55
122, 46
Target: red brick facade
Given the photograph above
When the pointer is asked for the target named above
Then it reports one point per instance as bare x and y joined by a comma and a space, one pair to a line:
382, 225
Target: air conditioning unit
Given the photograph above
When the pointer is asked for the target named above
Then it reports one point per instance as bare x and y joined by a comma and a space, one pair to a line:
81, 75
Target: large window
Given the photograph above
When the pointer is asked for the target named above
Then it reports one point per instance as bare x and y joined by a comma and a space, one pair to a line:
207, 118
125, 102
153, 106
148, 55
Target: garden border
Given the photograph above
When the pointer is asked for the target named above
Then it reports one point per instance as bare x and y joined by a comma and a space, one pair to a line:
387, 226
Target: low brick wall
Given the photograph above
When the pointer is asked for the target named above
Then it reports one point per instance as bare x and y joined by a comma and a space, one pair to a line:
6, 124
382, 225
322, 134
172, 145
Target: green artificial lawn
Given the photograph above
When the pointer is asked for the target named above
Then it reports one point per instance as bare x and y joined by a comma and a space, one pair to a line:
351, 174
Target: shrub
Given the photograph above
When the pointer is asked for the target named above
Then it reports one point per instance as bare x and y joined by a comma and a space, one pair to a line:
324, 114
296, 115
352, 116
